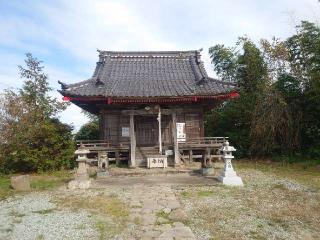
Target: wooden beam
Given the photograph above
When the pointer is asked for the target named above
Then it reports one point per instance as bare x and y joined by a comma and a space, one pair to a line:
145, 112
132, 142
175, 140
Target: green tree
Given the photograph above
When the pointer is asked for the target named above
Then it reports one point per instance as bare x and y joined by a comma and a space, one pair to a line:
89, 131
278, 111
33, 139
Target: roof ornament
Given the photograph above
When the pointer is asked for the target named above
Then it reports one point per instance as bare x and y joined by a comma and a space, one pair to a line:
64, 86
99, 82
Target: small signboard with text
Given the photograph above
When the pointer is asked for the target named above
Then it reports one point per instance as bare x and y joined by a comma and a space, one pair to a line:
157, 162
181, 132
125, 132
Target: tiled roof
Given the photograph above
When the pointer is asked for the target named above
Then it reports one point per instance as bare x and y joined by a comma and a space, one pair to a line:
148, 74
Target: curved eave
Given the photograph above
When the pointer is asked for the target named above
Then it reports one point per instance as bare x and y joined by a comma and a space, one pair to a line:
123, 100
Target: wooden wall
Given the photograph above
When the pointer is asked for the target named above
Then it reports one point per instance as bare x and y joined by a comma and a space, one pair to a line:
111, 123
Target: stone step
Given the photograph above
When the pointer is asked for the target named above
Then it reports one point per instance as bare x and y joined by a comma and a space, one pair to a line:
153, 171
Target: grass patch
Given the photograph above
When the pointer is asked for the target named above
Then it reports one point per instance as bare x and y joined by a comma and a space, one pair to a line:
162, 214
39, 181
111, 214
50, 180
101, 227
185, 194
308, 176
204, 193
137, 220
274, 200
103, 205
5, 189
40, 237
165, 216
14, 213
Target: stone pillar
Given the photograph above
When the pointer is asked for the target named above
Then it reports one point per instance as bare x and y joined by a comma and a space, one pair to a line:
229, 176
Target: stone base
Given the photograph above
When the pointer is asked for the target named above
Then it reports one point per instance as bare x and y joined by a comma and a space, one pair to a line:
20, 183
103, 174
79, 184
207, 171
231, 181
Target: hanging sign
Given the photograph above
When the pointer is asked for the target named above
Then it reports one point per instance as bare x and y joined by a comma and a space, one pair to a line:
125, 132
181, 132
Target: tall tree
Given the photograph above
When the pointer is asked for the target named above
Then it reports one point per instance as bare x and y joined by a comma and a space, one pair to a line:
33, 139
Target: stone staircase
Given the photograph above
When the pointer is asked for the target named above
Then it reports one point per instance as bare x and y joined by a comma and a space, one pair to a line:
142, 153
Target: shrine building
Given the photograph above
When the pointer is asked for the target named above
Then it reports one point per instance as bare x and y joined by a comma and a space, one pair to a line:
150, 105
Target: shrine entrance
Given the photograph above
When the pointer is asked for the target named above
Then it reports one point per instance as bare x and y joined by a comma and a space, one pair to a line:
146, 130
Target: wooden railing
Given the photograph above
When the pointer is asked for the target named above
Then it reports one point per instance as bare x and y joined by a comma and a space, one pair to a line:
205, 140
101, 144
194, 141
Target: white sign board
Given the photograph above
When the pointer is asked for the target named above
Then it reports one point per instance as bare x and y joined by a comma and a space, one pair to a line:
181, 132
125, 132
157, 162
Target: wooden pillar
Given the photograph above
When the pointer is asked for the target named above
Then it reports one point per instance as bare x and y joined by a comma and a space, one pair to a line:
160, 137
204, 160
117, 158
132, 141
208, 157
175, 140
190, 155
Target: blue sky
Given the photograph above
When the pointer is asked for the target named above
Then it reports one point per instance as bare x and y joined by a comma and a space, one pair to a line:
66, 34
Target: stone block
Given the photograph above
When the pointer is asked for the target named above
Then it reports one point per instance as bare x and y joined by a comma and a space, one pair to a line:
103, 174
21, 182
207, 171
231, 181
178, 215
79, 184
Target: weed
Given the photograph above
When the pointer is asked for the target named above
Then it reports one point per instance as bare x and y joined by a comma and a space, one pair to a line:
164, 215
102, 229
137, 220
40, 237
203, 193
45, 211
5, 189
14, 213
81, 226
185, 194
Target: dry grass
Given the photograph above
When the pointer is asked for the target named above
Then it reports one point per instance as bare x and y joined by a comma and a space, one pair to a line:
109, 213
270, 206
308, 175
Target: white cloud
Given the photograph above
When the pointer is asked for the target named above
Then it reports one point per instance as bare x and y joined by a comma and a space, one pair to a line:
67, 33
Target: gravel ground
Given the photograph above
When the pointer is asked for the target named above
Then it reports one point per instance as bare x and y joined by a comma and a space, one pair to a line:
267, 207
34, 216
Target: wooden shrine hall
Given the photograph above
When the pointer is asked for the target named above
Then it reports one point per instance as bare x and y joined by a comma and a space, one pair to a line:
150, 105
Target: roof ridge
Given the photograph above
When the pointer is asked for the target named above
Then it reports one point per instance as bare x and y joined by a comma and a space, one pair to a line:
148, 53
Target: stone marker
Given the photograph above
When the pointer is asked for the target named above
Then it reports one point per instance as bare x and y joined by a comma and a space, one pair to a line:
229, 176
21, 182
178, 215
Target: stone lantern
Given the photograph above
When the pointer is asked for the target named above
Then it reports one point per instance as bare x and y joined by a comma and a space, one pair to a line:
82, 159
229, 176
